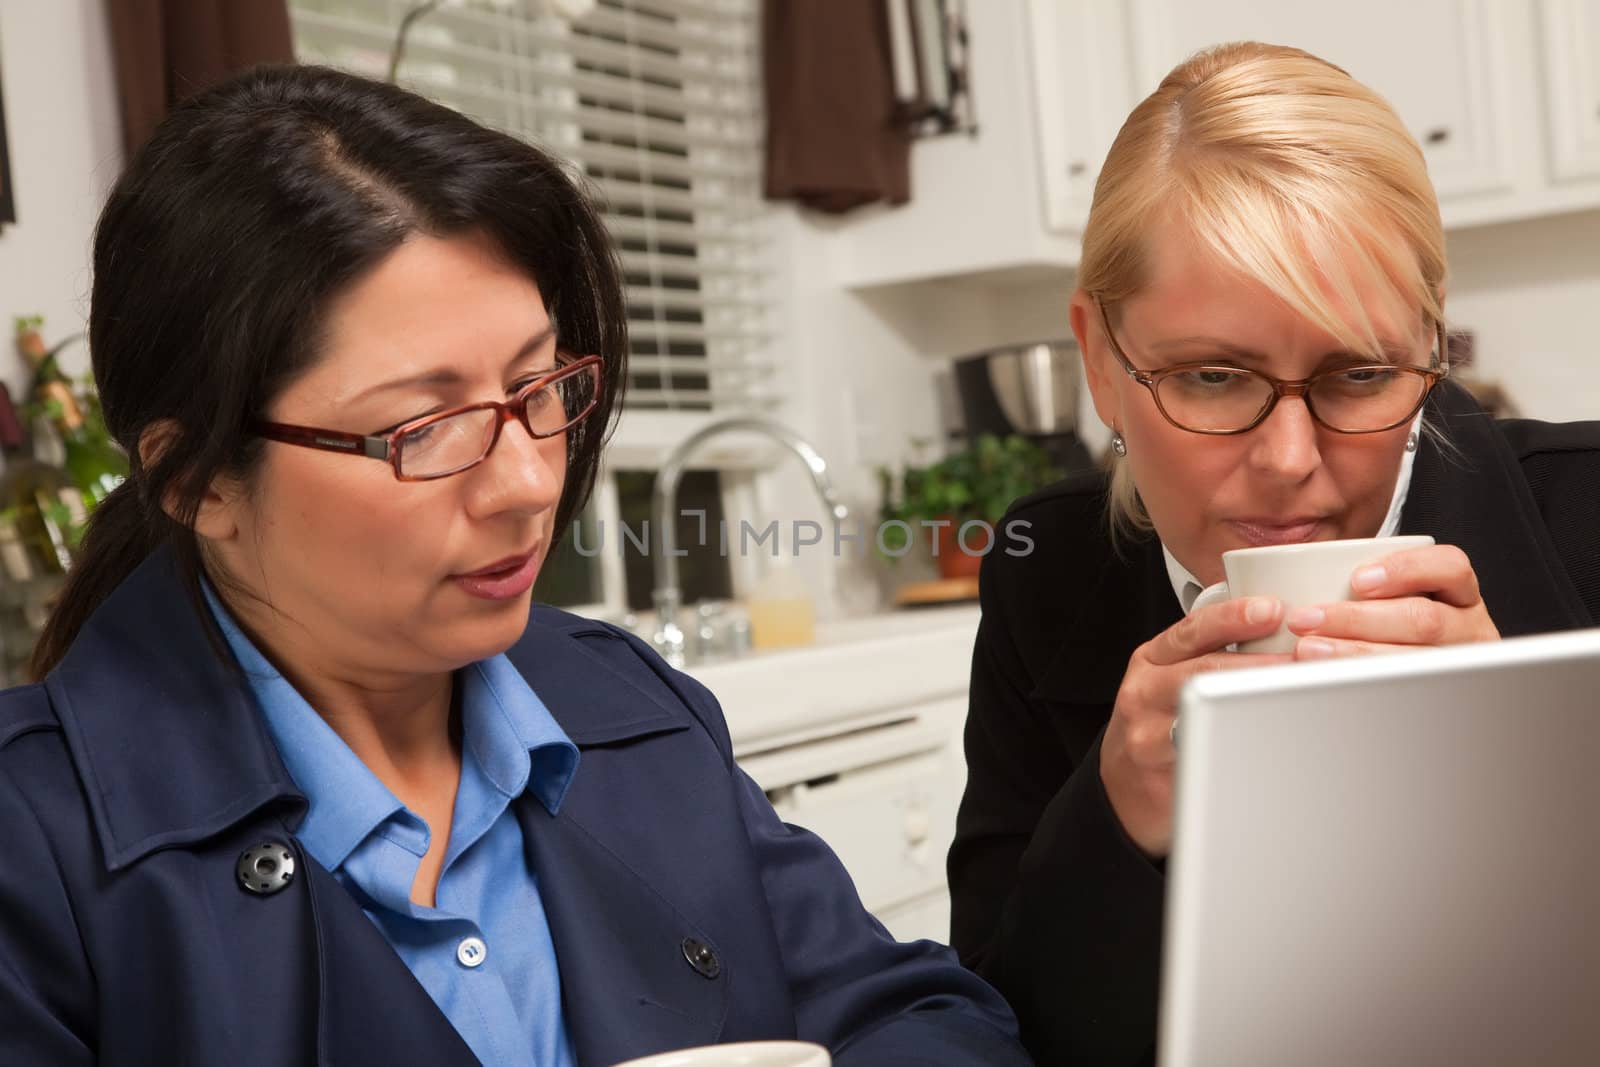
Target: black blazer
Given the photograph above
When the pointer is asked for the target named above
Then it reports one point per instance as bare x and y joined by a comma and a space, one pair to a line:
1051, 901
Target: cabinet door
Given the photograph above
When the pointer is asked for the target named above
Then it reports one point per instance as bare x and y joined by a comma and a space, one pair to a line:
1571, 52
1442, 64
890, 822
925, 918
1083, 90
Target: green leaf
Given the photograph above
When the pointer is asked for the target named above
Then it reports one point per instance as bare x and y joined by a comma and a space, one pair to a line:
976, 482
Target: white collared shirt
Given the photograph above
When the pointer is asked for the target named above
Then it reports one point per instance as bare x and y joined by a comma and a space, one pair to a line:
1188, 587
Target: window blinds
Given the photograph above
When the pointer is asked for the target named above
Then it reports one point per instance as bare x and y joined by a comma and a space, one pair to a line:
657, 104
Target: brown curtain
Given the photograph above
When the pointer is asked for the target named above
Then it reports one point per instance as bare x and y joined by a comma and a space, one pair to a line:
835, 136
166, 50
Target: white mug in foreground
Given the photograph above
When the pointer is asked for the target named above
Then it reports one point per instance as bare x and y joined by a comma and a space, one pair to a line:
741, 1054
1300, 575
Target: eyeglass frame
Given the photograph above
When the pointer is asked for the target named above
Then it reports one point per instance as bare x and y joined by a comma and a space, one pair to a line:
1438, 370
386, 446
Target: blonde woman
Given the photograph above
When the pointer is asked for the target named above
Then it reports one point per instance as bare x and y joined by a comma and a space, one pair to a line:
1260, 307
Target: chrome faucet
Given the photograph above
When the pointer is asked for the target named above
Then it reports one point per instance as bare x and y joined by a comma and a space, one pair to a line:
668, 637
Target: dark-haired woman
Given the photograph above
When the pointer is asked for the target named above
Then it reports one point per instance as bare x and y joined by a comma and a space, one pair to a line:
303, 781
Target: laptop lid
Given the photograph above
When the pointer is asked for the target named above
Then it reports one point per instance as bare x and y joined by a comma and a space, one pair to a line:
1389, 860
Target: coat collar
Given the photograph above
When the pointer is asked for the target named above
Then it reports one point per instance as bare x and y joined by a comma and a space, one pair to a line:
632, 952
169, 745
1129, 600
172, 749
1469, 492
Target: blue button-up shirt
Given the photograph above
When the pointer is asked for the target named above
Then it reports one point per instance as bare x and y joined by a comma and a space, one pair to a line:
484, 953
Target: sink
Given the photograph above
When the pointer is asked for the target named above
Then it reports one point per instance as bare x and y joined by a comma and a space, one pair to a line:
856, 669
893, 625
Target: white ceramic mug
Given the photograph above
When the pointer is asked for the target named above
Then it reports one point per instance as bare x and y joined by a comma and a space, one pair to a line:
1300, 575
741, 1054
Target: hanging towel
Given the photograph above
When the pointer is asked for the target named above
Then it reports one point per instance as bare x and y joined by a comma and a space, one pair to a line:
166, 50
835, 137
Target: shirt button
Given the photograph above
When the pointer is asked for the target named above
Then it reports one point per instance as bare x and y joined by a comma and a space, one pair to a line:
472, 951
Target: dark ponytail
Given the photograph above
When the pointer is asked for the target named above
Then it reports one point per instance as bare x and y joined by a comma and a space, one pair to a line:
220, 247
120, 536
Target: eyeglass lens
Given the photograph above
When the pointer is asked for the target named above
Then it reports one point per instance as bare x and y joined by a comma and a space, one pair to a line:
1361, 399
459, 441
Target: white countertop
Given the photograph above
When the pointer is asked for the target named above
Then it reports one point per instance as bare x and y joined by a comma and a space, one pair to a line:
858, 669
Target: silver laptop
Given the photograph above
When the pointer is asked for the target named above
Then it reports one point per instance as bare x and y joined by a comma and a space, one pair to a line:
1389, 860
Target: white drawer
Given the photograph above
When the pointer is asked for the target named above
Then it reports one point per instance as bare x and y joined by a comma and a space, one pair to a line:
923, 918
890, 823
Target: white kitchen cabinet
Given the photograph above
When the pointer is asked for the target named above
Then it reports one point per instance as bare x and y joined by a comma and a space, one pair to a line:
1082, 62
912, 920
1502, 95
976, 205
890, 823
1443, 64
1570, 38
858, 739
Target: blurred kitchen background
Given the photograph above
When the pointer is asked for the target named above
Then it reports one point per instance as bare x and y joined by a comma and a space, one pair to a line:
905, 293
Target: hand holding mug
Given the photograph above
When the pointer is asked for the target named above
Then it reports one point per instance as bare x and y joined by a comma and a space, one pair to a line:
1137, 755
1417, 597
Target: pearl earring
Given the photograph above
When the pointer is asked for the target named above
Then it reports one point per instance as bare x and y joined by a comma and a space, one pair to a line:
1411, 441
1118, 445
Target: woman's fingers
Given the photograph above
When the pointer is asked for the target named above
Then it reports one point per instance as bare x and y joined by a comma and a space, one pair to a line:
1424, 596
1215, 627
1153, 698
1136, 754
1314, 648
1411, 620
1442, 572
1224, 661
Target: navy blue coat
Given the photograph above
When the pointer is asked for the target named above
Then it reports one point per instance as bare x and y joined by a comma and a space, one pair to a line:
135, 776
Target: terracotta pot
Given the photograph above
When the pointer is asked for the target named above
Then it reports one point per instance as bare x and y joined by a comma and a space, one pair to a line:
953, 561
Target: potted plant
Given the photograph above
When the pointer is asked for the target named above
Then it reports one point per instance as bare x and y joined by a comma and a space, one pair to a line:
960, 499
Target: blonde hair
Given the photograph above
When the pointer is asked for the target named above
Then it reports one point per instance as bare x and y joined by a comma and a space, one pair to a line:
1284, 168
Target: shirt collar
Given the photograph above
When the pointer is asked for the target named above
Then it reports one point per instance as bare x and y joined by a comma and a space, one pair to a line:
1187, 587
508, 729
516, 741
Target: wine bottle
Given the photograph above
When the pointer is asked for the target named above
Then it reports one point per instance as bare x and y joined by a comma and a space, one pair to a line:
94, 464
37, 527
40, 358
39, 509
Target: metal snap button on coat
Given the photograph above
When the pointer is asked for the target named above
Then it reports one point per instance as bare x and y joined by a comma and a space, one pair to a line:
471, 951
266, 868
701, 957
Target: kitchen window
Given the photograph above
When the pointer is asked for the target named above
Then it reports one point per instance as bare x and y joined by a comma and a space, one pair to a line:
656, 103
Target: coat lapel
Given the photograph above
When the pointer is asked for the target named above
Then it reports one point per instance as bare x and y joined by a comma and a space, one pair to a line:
1472, 494
619, 934
173, 752
625, 984
169, 745
1094, 652
370, 1008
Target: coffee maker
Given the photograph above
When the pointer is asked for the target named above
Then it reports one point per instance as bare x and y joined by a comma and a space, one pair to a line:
1028, 389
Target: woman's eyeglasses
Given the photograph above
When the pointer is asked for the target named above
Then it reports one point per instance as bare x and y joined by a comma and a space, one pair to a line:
1220, 399
449, 442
